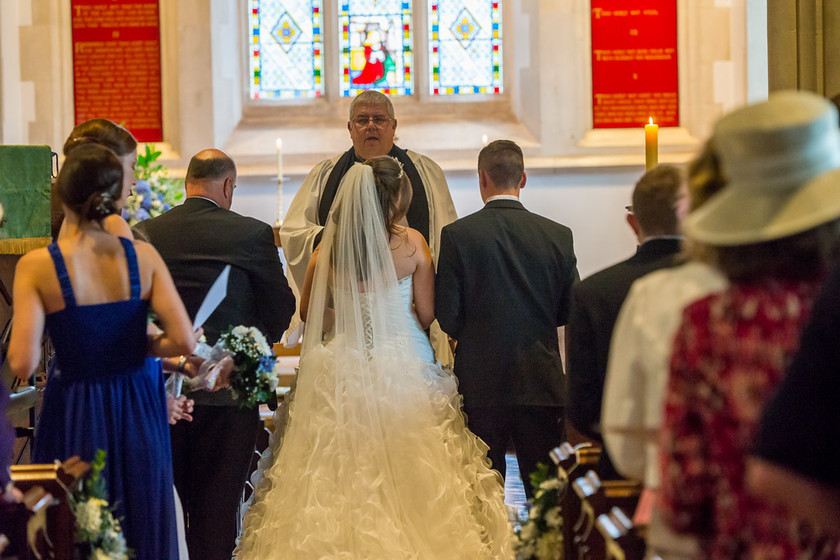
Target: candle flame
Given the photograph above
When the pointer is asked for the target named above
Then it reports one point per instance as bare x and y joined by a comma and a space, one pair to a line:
279, 143
650, 120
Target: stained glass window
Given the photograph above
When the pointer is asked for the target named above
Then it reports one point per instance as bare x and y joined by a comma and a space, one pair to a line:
465, 47
375, 46
285, 52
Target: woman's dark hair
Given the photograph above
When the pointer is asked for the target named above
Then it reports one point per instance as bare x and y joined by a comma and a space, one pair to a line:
104, 132
90, 182
803, 256
393, 189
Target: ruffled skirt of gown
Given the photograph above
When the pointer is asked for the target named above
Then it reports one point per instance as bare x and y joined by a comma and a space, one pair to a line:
378, 464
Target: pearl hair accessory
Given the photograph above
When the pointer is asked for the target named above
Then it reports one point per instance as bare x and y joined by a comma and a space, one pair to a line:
401, 173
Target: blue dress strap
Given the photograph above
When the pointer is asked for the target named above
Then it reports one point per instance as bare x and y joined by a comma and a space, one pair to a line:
63, 277
133, 269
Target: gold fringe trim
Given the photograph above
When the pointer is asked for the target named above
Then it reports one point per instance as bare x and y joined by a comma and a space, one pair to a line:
22, 246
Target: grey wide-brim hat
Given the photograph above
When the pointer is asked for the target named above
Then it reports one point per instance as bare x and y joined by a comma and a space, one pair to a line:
780, 160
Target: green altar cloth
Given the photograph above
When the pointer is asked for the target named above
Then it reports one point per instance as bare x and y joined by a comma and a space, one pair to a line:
25, 178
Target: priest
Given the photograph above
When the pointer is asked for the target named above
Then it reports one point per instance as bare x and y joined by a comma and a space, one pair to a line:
372, 126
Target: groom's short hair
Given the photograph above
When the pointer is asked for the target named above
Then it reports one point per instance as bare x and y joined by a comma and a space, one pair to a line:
503, 163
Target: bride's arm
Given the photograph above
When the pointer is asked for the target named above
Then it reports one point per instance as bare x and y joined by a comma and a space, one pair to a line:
306, 295
306, 292
424, 280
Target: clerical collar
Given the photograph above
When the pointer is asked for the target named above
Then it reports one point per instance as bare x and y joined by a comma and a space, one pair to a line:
204, 198
502, 197
360, 159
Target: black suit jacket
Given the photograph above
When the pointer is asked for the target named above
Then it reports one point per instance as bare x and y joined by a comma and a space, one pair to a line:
196, 240
596, 302
502, 289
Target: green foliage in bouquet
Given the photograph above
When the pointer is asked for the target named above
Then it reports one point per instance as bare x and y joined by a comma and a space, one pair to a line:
255, 366
155, 192
541, 537
98, 533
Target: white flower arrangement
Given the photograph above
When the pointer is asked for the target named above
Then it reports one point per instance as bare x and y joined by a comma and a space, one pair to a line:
541, 536
98, 533
89, 514
256, 373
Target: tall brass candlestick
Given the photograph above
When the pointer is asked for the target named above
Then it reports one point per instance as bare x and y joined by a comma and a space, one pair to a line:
279, 201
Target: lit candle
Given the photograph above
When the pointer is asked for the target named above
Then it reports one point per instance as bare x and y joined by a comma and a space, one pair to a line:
483, 139
280, 159
651, 145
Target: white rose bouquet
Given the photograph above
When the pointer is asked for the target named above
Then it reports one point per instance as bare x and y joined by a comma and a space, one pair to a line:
98, 533
255, 372
541, 536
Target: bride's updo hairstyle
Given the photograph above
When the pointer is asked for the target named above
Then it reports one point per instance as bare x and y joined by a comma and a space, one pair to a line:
393, 189
101, 131
90, 182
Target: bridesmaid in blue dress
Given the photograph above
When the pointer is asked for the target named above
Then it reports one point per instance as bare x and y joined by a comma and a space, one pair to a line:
92, 292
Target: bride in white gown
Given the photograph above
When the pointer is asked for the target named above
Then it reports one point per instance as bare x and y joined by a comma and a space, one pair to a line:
375, 461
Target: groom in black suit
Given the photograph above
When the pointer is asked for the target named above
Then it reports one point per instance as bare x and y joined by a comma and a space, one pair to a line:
212, 454
502, 290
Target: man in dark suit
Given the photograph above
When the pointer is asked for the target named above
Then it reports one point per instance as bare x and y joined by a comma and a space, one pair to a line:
659, 200
502, 290
212, 454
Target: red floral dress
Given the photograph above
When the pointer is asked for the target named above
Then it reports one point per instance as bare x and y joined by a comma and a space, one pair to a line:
728, 356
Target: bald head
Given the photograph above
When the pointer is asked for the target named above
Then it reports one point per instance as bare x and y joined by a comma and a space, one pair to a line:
211, 174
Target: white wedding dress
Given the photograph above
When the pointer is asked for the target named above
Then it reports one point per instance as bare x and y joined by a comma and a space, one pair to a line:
375, 460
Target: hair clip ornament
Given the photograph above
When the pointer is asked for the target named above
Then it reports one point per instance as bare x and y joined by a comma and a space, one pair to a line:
401, 173
106, 203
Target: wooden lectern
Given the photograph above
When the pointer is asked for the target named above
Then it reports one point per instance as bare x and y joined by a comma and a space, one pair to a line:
47, 489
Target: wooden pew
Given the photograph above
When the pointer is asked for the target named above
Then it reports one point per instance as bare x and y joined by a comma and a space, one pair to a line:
571, 463
59, 481
623, 540
15, 520
598, 497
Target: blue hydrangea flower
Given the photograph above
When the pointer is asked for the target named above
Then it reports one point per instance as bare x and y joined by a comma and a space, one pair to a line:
141, 214
266, 364
143, 188
146, 203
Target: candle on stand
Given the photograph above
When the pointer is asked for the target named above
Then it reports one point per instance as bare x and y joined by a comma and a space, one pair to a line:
280, 159
279, 201
651, 145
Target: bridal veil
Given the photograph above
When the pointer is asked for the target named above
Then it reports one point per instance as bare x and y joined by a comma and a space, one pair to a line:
375, 460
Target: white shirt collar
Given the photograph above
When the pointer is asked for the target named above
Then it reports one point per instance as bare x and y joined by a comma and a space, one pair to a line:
502, 197
653, 237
